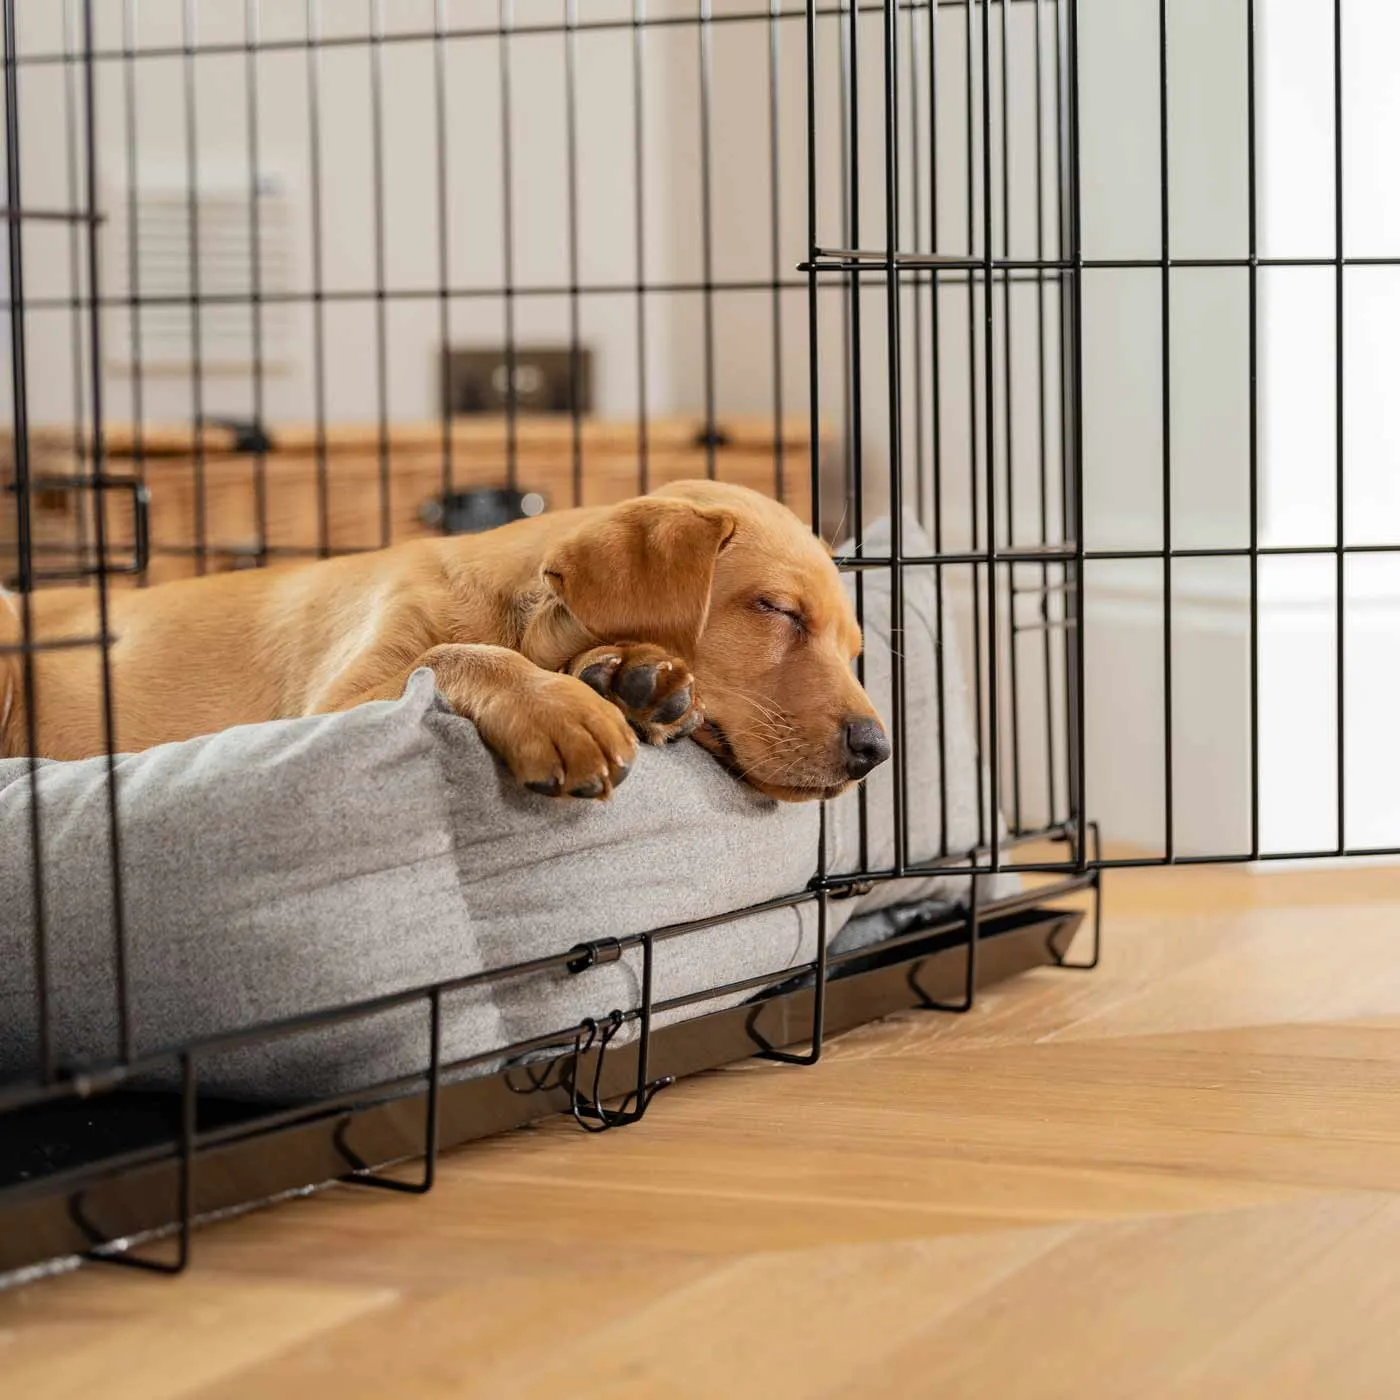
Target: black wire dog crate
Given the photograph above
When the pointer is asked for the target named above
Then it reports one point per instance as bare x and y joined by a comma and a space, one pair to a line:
1016, 268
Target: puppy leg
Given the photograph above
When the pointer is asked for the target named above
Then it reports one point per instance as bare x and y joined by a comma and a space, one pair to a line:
653, 689
555, 734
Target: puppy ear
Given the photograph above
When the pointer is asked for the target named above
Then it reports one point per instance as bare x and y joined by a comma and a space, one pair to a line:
642, 573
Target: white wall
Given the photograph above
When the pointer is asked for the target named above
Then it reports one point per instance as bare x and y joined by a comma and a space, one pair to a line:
475, 250
1210, 405
1205, 420
1300, 419
742, 195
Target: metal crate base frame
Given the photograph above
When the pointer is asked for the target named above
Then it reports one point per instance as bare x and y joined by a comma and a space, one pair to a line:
165, 1187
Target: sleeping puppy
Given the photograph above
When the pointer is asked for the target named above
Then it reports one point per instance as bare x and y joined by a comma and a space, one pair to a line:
702, 610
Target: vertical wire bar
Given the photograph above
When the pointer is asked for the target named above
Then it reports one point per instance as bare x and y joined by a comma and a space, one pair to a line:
19, 389
775, 8
189, 1127
98, 460
506, 18
644, 1027
1164, 177
318, 297
189, 34
431, 1129
119, 1253
381, 310
974, 928
252, 25
1068, 393
936, 396
819, 969
989, 409
843, 98
443, 245
1043, 407
822, 974
707, 59
814, 345
972, 921
894, 378
855, 499
1339, 197
1253, 216
1006, 371
973, 428
70, 131
813, 320
361, 1173
916, 193
639, 185
571, 146
134, 309
813, 428
1072, 224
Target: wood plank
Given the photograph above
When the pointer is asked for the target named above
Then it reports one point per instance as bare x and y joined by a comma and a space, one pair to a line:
1119, 1310
137, 1338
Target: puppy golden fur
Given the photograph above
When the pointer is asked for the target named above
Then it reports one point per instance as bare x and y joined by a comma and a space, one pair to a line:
703, 609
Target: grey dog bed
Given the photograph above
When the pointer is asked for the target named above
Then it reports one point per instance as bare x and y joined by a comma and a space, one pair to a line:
285, 868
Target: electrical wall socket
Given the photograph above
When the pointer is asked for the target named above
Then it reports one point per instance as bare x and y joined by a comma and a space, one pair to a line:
477, 380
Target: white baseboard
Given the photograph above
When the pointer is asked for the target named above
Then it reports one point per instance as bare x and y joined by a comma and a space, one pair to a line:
1297, 703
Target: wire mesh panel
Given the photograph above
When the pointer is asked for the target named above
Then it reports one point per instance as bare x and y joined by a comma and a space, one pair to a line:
961, 416
1024, 334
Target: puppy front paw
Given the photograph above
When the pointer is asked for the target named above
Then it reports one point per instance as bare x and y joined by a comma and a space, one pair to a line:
559, 739
654, 690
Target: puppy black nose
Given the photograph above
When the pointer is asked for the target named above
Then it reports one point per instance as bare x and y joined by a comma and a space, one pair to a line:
866, 746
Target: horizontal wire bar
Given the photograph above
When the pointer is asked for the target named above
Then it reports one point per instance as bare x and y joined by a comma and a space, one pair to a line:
1245, 857
1058, 625
952, 270
1010, 904
33, 648
1065, 553
1027, 554
88, 574
855, 259
366, 295
856, 255
745, 984
1138, 862
97, 480
1042, 590
621, 23
1241, 551
11, 213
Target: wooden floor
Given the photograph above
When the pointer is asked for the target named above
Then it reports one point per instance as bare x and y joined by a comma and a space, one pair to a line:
1179, 1176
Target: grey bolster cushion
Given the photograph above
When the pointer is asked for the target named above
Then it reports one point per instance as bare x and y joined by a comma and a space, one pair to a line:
285, 868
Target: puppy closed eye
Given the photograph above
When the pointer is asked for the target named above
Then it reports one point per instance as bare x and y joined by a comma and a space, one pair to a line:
793, 616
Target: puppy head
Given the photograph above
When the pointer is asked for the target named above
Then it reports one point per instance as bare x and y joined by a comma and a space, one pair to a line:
734, 584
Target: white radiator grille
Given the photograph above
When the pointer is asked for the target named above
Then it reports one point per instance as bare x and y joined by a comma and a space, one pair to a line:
224, 248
